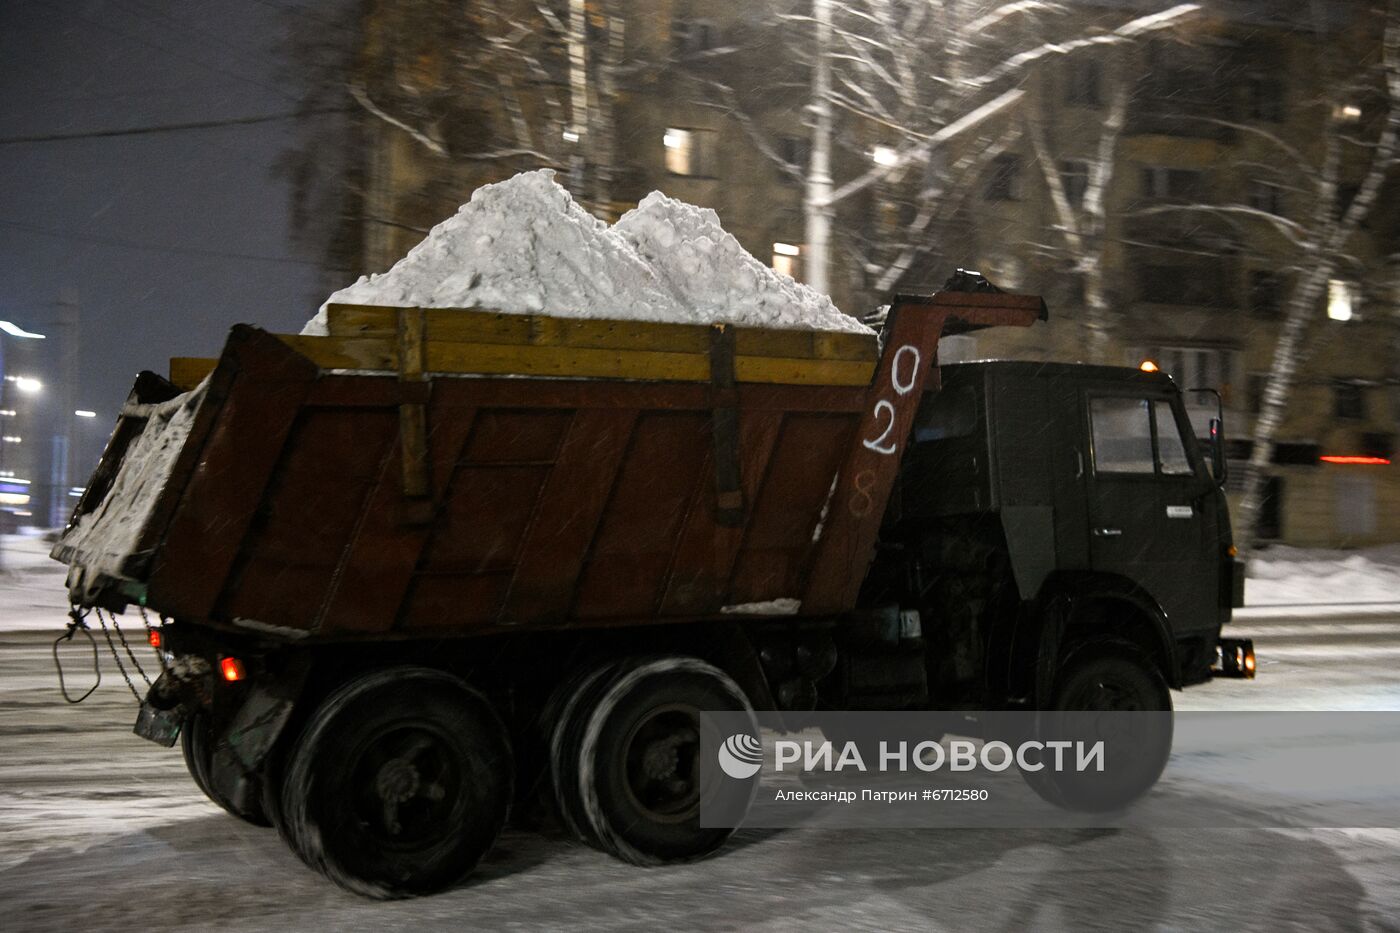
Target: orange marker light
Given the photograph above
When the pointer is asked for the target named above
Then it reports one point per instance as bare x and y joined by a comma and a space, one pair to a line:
153, 636
1148, 366
232, 669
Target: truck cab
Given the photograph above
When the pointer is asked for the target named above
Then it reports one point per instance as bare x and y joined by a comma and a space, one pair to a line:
1044, 505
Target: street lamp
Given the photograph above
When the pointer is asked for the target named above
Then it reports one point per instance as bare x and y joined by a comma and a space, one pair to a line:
14, 330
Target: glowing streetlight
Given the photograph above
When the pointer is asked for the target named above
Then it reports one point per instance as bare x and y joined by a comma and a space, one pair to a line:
84, 413
14, 330
27, 384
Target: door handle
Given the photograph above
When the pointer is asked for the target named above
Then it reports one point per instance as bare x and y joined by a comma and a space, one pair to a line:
1108, 532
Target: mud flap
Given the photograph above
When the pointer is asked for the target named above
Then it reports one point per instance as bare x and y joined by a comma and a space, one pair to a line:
240, 752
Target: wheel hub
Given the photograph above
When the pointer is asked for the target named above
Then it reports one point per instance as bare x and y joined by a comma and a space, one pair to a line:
397, 781
659, 757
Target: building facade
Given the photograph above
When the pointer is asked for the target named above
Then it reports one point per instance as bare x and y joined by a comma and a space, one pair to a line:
1187, 164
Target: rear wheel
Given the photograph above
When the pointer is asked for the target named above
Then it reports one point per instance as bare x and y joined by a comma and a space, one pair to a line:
197, 744
631, 770
1113, 693
568, 720
399, 783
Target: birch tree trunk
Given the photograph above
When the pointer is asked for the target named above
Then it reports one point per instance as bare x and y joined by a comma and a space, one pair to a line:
817, 207
1278, 389
578, 94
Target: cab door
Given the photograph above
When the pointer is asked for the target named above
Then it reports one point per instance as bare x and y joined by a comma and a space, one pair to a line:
1146, 495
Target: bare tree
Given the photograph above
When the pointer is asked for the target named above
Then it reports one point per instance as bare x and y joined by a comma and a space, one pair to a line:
933, 85
1342, 181
472, 93
1081, 220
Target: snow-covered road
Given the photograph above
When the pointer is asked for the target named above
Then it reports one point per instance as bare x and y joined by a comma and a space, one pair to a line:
101, 830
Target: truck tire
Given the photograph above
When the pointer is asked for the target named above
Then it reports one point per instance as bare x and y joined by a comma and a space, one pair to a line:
1113, 678
634, 769
399, 783
197, 745
566, 720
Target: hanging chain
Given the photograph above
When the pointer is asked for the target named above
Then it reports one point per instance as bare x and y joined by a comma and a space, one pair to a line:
117, 657
116, 626
77, 624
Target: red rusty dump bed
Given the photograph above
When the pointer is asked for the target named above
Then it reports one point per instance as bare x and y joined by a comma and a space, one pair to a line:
539, 502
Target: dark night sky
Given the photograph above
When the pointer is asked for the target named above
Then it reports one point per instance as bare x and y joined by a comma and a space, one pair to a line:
146, 230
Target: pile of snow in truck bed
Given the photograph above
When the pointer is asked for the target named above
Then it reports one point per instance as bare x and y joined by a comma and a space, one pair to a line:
107, 535
524, 246
715, 277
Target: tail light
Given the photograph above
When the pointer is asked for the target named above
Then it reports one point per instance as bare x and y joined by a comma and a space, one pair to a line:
232, 669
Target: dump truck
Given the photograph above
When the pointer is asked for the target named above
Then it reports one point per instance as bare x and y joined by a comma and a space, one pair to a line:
440, 562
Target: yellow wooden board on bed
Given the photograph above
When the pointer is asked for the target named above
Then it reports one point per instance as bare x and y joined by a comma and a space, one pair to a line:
470, 341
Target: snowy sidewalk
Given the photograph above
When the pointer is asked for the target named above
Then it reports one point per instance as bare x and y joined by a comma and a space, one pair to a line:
1295, 583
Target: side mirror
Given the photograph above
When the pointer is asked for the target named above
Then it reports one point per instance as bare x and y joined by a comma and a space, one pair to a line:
1219, 467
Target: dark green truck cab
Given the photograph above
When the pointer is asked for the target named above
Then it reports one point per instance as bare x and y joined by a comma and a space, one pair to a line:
1043, 505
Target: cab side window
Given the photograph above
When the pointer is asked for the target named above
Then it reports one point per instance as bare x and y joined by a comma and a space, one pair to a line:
1122, 435
1137, 435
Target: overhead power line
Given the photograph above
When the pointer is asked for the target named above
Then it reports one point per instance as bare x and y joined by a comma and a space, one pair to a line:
172, 127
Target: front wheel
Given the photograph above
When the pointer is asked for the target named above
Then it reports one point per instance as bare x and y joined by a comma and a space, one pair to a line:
399, 784
1109, 693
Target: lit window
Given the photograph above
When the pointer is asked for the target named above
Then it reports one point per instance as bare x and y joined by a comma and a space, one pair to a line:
690, 152
884, 155
1343, 299
787, 259
1346, 113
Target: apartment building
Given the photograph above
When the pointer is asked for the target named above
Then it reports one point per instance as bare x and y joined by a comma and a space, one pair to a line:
1207, 201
